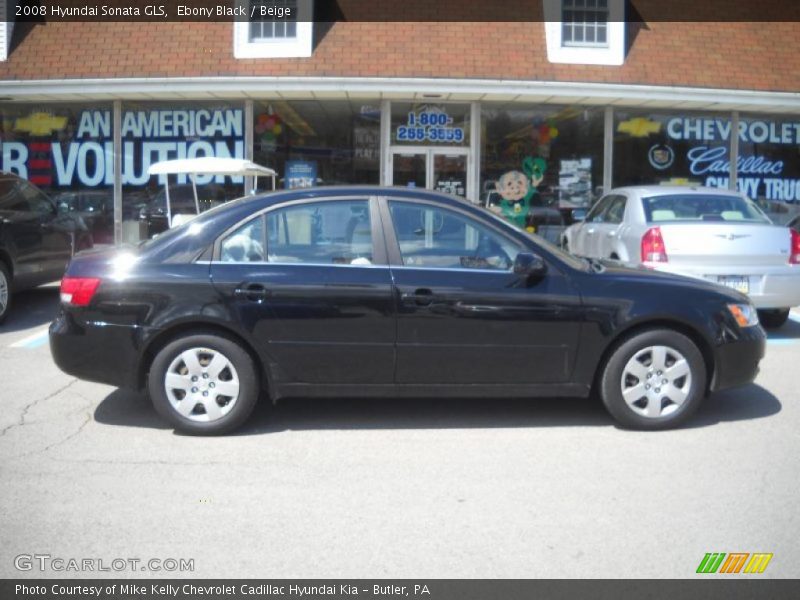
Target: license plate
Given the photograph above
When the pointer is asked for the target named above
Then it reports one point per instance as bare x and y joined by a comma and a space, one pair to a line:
739, 283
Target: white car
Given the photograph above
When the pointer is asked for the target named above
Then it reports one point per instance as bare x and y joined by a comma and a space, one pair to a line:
707, 233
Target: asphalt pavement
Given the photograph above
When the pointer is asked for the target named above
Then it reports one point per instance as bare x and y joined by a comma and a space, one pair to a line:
390, 488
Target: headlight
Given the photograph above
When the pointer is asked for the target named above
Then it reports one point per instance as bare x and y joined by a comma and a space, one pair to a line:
744, 314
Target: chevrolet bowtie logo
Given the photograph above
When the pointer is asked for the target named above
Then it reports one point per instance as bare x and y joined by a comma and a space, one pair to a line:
40, 124
731, 236
639, 127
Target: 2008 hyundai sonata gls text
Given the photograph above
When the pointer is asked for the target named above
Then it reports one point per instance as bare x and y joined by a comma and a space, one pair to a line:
369, 291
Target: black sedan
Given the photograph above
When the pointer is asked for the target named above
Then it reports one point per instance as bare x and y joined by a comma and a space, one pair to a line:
36, 242
369, 291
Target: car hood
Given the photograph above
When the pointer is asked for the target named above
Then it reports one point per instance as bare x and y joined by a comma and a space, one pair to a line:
616, 271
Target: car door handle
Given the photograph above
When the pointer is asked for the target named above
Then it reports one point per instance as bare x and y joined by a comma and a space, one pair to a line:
590, 231
611, 234
254, 292
420, 297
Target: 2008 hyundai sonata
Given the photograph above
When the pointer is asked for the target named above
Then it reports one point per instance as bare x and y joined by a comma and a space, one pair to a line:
370, 291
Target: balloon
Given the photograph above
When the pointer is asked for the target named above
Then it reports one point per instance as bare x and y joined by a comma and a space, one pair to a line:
277, 130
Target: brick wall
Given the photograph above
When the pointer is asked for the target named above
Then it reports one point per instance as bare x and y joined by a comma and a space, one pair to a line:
757, 56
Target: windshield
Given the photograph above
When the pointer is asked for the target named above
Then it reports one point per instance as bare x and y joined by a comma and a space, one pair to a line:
701, 208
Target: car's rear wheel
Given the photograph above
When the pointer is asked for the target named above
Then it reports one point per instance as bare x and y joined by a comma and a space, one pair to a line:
5, 291
654, 379
204, 384
772, 319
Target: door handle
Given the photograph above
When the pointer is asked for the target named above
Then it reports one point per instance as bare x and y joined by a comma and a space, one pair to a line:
254, 292
611, 234
419, 297
590, 231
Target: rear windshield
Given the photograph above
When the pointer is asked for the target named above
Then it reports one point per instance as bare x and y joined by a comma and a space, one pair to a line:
701, 207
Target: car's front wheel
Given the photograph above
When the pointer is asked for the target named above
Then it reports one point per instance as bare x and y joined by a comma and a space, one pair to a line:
654, 379
772, 319
5, 291
204, 384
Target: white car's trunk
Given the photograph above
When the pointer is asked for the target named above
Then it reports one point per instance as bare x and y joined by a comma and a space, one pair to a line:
725, 244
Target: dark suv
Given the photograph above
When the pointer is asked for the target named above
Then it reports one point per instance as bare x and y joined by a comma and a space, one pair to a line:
36, 242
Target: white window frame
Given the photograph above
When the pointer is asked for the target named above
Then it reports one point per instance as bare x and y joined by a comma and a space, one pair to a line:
612, 54
300, 46
6, 27
596, 11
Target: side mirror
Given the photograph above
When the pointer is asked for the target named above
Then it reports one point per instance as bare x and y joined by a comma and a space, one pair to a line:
529, 266
578, 215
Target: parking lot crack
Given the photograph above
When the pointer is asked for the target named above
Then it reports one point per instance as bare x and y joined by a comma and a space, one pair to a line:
27, 408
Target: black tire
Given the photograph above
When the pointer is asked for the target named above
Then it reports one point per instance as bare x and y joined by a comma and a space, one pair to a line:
243, 370
674, 413
5, 283
773, 319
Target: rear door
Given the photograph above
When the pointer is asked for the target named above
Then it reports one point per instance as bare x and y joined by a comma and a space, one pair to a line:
463, 316
310, 282
584, 238
607, 228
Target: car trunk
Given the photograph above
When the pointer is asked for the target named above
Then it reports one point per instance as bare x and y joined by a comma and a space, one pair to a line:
725, 244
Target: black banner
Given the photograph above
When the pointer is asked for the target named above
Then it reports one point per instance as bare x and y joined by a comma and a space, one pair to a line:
421, 589
53, 11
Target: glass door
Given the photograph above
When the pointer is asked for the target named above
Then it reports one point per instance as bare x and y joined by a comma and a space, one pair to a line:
450, 174
409, 169
443, 170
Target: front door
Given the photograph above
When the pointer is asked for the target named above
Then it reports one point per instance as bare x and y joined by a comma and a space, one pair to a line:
463, 316
440, 169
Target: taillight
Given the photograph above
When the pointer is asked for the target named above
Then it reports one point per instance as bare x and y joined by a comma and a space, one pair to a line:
794, 253
78, 291
653, 249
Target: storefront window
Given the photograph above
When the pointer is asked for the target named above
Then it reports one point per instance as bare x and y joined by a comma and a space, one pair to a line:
541, 155
67, 151
158, 131
311, 142
668, 148
769, 158
430, 124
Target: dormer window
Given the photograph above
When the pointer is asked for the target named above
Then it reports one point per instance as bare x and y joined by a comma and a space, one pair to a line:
585, 32
276, 29
584, 23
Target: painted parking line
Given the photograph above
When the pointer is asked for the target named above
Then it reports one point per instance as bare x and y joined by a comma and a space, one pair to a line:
775, 339
32, 341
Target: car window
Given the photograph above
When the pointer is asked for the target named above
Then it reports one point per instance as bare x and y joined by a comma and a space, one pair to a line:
36, 199
246, 244
701, 207
433, 237
326, 233
20, 196
615, 211
595, 214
